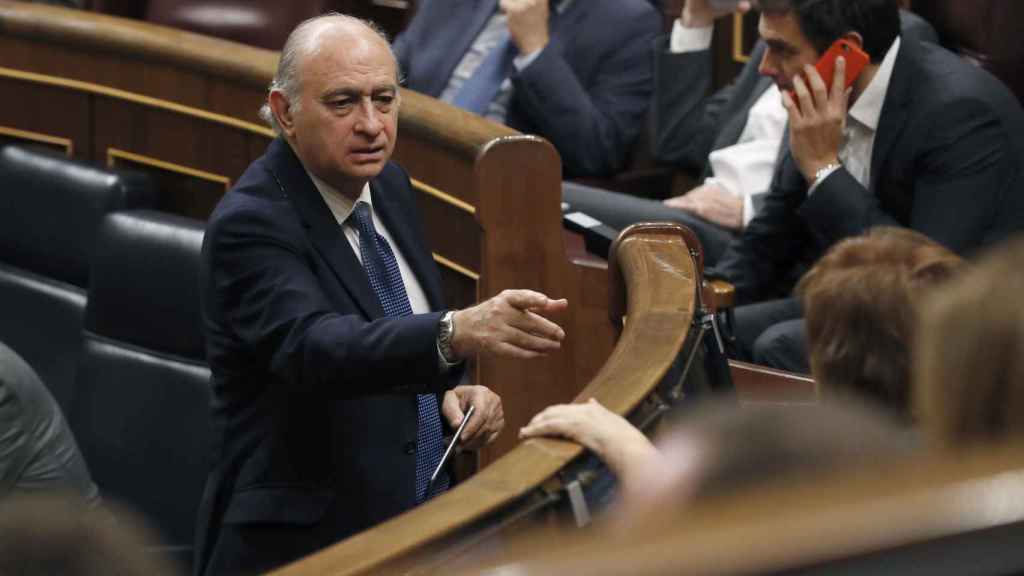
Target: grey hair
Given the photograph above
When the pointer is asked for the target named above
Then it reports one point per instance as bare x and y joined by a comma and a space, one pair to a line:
303, 41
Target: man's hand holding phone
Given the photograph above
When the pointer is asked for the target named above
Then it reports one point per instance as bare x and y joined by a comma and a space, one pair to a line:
703, 13
817, 115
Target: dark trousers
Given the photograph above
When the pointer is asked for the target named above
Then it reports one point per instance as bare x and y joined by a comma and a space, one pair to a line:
621, 210
772, 333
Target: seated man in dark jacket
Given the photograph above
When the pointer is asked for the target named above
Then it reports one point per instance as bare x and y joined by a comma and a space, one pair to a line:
577, 72
923, 140
733, 138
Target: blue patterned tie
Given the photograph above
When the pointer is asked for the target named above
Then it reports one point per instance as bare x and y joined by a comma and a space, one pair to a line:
386, 280
481, 88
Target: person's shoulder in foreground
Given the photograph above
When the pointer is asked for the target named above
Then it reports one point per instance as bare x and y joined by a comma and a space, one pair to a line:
37, 450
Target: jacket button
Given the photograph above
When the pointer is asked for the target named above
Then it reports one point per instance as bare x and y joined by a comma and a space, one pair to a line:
410, 447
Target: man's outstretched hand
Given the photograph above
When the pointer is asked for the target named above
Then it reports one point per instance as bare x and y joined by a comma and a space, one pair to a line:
511, 324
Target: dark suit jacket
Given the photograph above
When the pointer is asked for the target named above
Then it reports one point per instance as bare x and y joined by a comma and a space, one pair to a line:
947, 162
689, 124
587, 92
314, 388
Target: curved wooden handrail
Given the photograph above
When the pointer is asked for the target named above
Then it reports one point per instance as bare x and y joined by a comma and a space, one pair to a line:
659, 274
899, 514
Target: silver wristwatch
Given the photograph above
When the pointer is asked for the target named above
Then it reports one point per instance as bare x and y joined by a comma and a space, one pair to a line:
445, 333
825, 172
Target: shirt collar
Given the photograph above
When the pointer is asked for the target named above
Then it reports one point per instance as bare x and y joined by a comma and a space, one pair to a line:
341, 206
867, 110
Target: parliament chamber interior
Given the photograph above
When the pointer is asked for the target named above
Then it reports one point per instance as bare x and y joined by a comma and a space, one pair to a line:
124, 122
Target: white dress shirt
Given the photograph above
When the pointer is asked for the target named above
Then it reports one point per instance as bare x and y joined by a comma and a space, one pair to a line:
747, 167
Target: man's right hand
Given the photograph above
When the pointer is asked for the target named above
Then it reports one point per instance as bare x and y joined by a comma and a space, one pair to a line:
701, 14
511, 324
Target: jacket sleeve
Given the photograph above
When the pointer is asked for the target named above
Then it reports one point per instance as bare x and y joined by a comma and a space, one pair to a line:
592, 122
964, 167
758, 262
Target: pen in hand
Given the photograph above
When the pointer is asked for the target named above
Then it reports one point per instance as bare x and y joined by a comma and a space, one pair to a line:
450, 450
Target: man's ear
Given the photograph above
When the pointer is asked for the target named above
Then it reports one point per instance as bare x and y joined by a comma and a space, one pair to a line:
281, 108
855, 38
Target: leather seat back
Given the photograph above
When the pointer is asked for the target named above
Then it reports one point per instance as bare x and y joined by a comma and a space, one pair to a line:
50, 210
987, 32
263, 23
141, 410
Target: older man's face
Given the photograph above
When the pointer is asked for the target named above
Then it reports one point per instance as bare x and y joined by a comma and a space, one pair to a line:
344, 131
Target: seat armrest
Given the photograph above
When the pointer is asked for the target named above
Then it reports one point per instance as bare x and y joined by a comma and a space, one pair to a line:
718, 294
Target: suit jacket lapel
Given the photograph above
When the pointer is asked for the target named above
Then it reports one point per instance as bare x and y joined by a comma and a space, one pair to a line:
394, 216
737, 119
737, 115
894, 110
324, 232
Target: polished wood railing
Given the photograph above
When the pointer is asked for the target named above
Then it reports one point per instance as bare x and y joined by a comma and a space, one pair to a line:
656, 279
939, 514
183, 108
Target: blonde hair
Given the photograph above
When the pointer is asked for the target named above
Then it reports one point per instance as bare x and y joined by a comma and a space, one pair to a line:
969, 361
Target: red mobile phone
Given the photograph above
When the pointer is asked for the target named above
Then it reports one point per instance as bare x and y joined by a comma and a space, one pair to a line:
856, 60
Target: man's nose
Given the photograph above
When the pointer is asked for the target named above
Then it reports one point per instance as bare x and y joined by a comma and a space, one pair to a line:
766, 68
370, 122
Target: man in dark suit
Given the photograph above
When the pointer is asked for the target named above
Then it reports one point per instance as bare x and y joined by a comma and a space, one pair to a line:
334, 362
733, 138
923, 139
577, 72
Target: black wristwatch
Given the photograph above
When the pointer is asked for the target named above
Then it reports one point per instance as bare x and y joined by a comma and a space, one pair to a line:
445, 333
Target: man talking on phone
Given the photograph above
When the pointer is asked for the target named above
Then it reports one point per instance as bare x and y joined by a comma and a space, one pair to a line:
921, 139
731, 139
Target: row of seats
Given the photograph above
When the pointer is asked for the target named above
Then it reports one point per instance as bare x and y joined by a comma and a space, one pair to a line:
101, 297
263, 23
